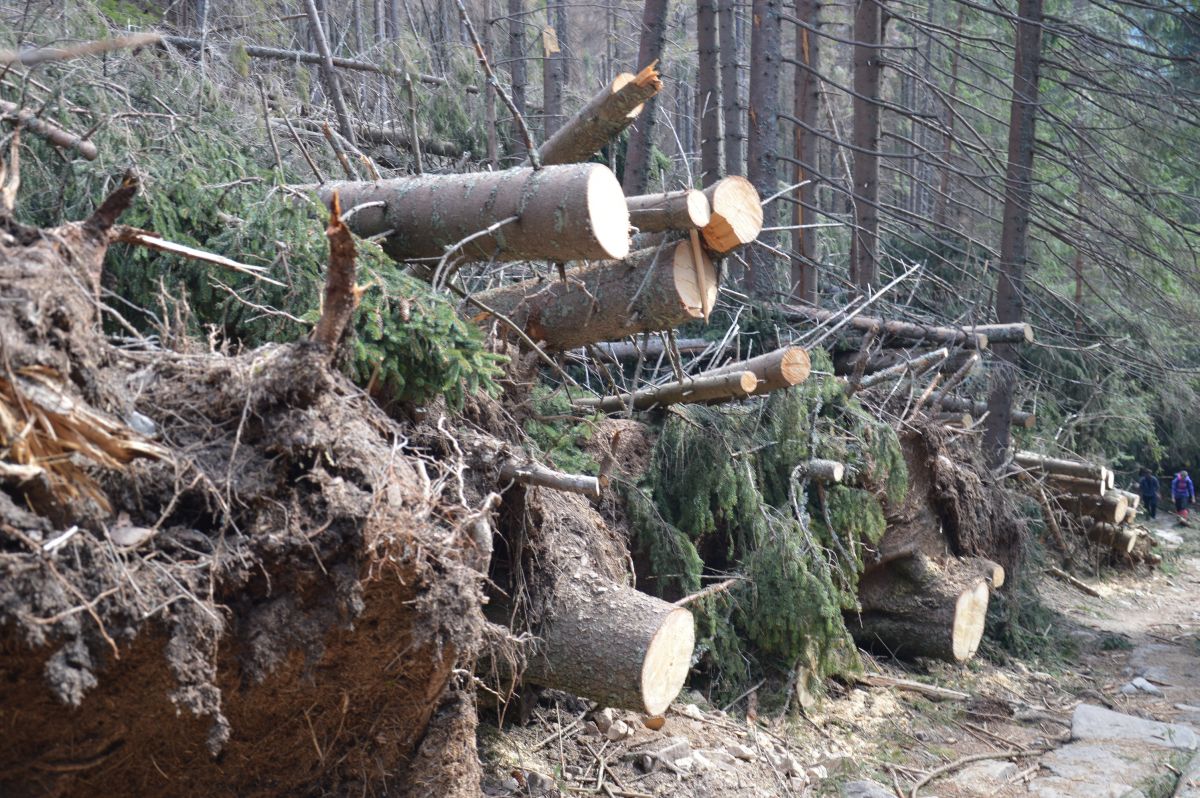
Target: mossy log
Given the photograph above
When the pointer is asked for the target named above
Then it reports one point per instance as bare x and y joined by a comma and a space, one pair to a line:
602, 119
775, 370
614, 645
557, 213
957, 404
676, 210
916, 607
649, 291
737, 215
708, 389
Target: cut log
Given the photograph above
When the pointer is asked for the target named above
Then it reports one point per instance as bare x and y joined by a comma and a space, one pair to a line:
1134, 499
1015, 333
737, 215
844, 363
562, 213
1120, 539
373, 134
775, 370
538, 474
830, 471
614, 645
957, 404
916, 607
693, 390
1078, 584
602, 119
649, 291
1076, 485
898, 329
677, 210
961, 420
1072, 468
1109, 508
993, 572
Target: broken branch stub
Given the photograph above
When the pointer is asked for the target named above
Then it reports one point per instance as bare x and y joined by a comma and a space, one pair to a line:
602, 119
341, 292
563, 213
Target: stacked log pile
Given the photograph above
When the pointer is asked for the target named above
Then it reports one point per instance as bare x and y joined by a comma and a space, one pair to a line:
1084, 496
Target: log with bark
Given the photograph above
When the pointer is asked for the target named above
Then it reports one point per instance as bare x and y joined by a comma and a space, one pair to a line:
604, 118
845, 362
649, 291
375, 134
1060, 483
1109, 508
1119, 538
556, 213
614, 645
692, 390
918, 365
675, 210
957, 404
914, 606
962, 336
63, 139
1072, 468
775, 370
653, 347
828, 471
737, 215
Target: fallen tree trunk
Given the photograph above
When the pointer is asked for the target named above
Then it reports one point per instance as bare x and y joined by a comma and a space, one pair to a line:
693, 390
916, 607
1094, 488
602, 119
1120, 539
914, 367
1072, 468
52, 133
373, 134
1109, 508
649, 291
844, 363
898, 329
538, 474
614, 645
775, 370
624, 350
557, 213
1015, 333
677, 210
1020, 418
737, 215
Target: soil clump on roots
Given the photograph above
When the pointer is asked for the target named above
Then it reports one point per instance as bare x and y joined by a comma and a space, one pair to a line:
233, 571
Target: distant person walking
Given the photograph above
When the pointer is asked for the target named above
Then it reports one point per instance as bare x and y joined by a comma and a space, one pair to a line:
1183, 492
1149, 487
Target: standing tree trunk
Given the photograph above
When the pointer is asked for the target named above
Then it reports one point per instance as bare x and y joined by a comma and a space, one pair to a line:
1014, 238
553, 67
762, 145
650, 48
489, 102
731, 109
328, 73
807, 103
942, 201
864, 243
708, 98
516, 66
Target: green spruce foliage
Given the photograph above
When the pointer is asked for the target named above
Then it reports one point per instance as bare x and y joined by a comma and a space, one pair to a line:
726, 495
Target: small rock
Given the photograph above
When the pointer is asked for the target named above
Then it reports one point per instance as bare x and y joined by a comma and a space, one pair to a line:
590, 729
539, 785
685, 763
676, 749
510, 784
701, 761
1091, 722
984, 777
741, 752
619, 730
818, 772
692, 711
603, 719
792, 766
865, 789
1146, 687
144, 425
655, 723
719, 757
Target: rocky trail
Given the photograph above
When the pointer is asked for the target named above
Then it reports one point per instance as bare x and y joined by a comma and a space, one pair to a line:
1112, 709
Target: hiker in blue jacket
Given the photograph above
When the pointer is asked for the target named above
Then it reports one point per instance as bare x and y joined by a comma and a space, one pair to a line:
1184, 493
1148, 487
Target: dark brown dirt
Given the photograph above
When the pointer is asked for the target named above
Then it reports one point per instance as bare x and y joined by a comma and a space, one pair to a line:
291, 618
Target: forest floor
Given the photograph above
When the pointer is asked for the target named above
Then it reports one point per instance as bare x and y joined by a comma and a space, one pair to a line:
1012, 719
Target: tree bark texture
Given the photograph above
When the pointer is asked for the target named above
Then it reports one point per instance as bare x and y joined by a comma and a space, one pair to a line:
731, 105
1018, 418
708, 92
1053, 465
916, 607
1014, 236
911, 331
677, 210
554, 67
650, 49
1121, 539
649, 291
563, 213
603, 118
762, 144
516, 67
868, 66
806, 104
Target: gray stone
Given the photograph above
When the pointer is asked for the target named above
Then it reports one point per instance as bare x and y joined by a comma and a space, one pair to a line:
740, 751
1097, 723
1146, 687
866, 789
603, 719
1170, 538
618, 730
1189, 782
983, 778
1095, 770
